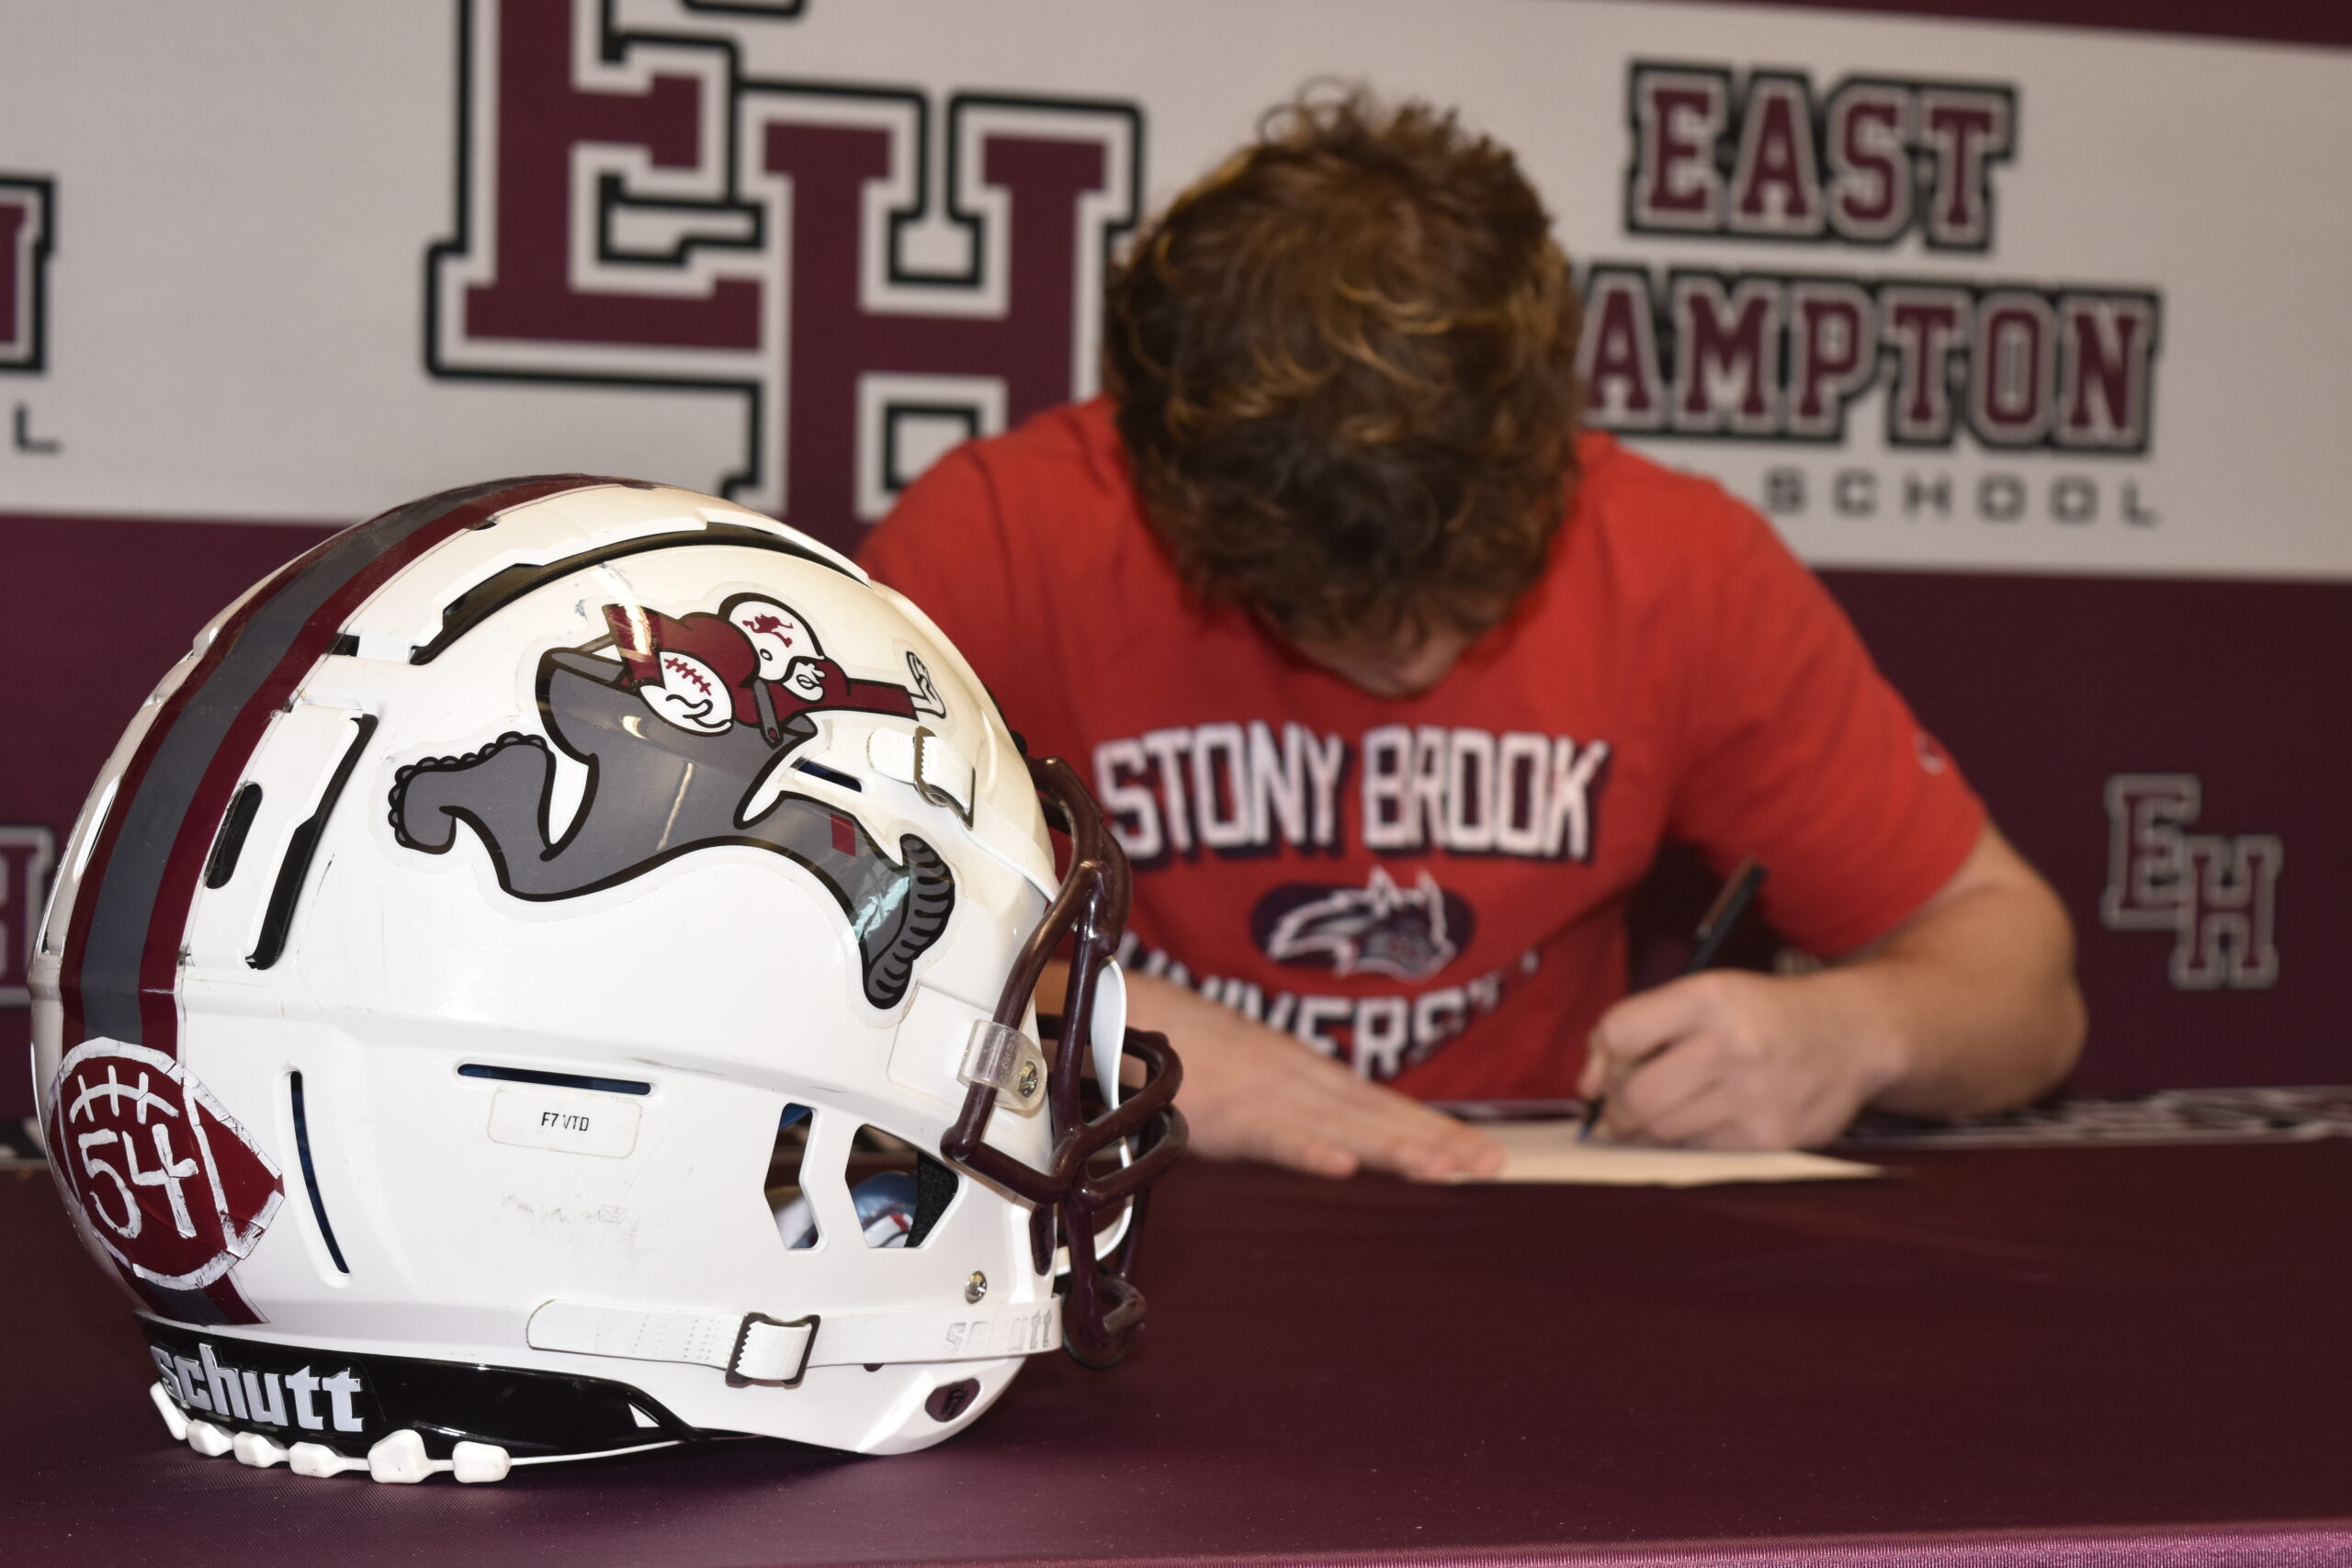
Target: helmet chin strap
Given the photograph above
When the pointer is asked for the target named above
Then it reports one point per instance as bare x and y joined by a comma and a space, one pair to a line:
755, 1348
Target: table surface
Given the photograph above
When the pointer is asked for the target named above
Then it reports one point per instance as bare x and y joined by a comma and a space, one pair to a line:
2020, 1357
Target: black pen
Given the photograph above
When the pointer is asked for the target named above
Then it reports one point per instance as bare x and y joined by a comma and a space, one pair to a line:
1708, 940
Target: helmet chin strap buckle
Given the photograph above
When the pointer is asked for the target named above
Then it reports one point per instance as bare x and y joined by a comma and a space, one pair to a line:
765, 1345
940, 774
936, 776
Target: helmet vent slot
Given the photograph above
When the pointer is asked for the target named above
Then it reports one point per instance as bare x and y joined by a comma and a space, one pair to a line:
278, 922
234, 825
795, 1220
553, 1080
309, 1171
830, 775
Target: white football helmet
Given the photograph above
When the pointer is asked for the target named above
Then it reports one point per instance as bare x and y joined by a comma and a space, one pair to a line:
548, 975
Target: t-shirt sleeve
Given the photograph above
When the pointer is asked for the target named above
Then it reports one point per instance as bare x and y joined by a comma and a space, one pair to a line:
946, 546
1798, 751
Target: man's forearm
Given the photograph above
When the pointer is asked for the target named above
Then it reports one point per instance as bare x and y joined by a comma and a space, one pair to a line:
1972, 1006
1969, 1005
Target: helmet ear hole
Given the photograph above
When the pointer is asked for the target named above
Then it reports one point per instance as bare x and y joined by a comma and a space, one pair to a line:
900, 1193
935, 1186
795, 1220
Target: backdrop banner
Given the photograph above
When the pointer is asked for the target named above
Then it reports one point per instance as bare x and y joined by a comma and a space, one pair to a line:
2029, 338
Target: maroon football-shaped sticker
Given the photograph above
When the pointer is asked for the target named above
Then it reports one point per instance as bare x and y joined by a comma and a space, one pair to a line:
170, 1183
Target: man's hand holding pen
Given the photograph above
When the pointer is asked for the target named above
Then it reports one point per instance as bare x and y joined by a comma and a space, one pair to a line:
1707, 1061
1721, 1059
1728, 1059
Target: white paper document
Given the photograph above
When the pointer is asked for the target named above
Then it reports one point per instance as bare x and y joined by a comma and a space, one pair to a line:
1550, 1151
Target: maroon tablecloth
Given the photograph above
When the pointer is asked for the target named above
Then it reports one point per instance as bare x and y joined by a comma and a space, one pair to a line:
2090, 1356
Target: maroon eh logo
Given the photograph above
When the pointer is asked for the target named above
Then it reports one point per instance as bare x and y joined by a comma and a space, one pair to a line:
2217, 894
26, 855
168, 1181
27, 207
634, 208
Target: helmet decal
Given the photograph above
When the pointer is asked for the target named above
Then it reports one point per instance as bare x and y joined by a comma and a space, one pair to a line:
171, 1184
732, 693
755, 662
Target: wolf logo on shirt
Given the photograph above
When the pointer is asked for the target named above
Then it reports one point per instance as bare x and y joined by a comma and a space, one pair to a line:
733, 691
1378, 928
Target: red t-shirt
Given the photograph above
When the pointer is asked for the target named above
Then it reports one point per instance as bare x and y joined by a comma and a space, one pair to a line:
1434, 888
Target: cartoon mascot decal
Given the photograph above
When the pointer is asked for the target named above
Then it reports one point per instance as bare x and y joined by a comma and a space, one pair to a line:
733, 691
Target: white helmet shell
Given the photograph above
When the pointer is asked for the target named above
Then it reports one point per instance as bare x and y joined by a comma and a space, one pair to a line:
473, 928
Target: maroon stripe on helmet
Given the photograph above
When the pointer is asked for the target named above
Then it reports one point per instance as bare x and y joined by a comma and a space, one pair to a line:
120, 965
101, 860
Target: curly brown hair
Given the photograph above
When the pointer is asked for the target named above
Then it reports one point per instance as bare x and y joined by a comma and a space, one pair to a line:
1345, 366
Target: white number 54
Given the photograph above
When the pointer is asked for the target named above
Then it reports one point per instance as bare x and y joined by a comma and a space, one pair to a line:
168, 1174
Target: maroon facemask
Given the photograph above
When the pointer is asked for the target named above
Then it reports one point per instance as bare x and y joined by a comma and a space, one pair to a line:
1083, 1192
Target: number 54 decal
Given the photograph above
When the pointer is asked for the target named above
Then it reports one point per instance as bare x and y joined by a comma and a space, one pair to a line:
168, 1181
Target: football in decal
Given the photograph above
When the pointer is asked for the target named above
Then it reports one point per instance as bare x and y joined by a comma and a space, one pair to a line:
688, 695
169, 1182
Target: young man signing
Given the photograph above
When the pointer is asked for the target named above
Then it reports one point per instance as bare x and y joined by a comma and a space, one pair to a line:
1394, 680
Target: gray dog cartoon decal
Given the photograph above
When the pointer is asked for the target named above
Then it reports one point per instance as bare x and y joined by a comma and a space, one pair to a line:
732, 692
